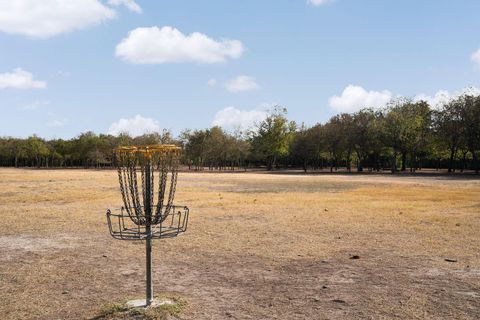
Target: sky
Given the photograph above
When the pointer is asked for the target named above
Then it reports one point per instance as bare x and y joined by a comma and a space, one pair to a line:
110, 66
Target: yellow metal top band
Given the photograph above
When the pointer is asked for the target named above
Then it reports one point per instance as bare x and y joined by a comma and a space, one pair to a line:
159, 148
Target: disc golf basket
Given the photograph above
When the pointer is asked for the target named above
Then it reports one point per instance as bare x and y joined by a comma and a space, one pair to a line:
148, 179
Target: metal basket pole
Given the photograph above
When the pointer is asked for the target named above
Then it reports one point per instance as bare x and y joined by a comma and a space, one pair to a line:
148, 245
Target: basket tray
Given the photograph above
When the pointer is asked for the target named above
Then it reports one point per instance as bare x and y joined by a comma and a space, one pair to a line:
124, 227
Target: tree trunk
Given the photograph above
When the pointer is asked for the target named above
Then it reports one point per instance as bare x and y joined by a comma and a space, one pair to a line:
452, 156
475, 162
271, 163
464, 162
413, 165
349, 165
394, 162
404, 161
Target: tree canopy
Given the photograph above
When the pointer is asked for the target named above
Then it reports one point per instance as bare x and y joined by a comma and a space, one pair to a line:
404, 135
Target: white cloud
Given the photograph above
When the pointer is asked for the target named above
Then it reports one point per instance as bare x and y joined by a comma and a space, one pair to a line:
354, 98
135, 126
48, 18
232, 117
242, 83
317, 3
469, 90
130, 4
437, 99
169, 45
35, 105
443, 96
476, 57
20, 79
212, 82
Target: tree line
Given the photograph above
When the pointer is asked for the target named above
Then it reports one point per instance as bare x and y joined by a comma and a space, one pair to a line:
405, 135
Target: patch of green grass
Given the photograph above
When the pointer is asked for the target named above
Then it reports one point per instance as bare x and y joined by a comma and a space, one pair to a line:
161, 312
112, 308
117, 311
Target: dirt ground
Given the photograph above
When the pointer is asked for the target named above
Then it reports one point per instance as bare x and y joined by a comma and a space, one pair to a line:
259, 246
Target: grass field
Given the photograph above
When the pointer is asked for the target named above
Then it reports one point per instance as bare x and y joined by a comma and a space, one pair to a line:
259, 246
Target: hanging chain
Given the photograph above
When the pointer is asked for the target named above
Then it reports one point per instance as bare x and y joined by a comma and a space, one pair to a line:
165, 162
162, 184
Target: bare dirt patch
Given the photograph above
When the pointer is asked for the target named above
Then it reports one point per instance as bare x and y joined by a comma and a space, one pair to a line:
18, 245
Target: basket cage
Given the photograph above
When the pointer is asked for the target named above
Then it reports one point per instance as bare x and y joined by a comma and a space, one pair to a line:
147, 177
123, 226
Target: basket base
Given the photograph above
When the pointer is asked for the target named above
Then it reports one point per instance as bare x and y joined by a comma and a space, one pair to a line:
141, 303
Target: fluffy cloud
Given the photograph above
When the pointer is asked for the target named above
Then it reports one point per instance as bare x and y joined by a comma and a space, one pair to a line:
47, 18
476, 57
318, 3
442, 96
130, 4
242, 83
20, 79
169, 45
231, 117
437, 99
135, 126
354, 98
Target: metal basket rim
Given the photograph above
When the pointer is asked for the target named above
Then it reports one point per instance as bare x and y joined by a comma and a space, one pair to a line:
113, 211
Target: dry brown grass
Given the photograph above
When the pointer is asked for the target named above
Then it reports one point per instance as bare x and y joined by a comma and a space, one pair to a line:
258, 246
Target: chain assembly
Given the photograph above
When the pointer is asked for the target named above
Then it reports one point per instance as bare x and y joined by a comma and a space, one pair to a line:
147, 177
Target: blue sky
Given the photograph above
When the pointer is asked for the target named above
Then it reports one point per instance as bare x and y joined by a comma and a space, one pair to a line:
115, 65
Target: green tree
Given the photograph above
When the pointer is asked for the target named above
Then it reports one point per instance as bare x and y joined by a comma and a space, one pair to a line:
194, 144
36, 150
449, 129
366, 135
469, 106
335, 140
272, 137
406, 130
302, 148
